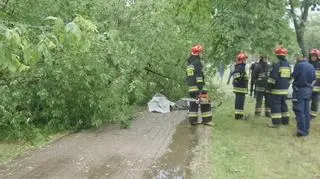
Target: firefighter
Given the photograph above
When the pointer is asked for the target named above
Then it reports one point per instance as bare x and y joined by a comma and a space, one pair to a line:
303, 75
252, 82
278, 84
260, 77
314, 60
197, 91
240, 85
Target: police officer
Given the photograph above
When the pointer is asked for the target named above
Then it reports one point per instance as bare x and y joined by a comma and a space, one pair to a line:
195, 79
303, 75
278, 84
240, 85
313, 59
260, 76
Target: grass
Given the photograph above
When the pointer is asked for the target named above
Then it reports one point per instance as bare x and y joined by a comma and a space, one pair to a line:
12, 149
249, 149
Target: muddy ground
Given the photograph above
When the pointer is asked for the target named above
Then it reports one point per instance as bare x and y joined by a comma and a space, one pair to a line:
157, 146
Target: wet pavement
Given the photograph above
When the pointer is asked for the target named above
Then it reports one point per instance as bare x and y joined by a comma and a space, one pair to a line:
176, 162
157, 146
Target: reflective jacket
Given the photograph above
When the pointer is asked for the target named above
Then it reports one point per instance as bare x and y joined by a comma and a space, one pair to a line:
316, 65
240, 79
279, 78
195, 77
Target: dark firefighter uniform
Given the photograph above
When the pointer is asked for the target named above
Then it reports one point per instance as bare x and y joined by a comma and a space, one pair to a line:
260, 76
252, 81
303, 75
314, 55
278, 84
240, 85
195, 79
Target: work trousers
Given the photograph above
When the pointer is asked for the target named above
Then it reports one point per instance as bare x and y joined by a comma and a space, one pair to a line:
239, 105
301, 110
259, 99
279, 109
193, 115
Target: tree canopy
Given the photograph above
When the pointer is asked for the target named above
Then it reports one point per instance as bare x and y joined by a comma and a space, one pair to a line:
82, 63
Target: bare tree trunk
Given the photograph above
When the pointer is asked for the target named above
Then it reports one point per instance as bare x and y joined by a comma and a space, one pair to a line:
300, 25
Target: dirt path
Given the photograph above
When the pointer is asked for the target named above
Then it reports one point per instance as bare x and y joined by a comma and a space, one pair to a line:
157, 146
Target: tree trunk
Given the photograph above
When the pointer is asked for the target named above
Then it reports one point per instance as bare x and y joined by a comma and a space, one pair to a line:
300, 26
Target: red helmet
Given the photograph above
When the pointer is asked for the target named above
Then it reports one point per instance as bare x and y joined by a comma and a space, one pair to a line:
196, 50
281, 51
315, 52
241, 57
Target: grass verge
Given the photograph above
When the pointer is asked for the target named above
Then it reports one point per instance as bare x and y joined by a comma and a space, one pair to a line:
12, 149
249, 149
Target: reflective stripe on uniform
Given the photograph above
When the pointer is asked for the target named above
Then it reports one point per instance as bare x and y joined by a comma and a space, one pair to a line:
192, 114
276, 115
240, 90
206, 114
199, 79
318, 74
258, 109
279, 91
236, 75
313, 113
285, 114
316, 89
271, 80
260, 89
193, 88
190, 70
285, 72
261, 75
238, 111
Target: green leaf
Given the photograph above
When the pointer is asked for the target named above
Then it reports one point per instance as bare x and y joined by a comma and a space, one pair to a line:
74, 29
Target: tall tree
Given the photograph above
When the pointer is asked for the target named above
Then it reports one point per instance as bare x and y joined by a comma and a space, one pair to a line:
312, 34
299, 11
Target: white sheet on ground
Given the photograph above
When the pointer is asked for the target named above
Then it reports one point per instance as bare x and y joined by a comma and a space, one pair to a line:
160, 103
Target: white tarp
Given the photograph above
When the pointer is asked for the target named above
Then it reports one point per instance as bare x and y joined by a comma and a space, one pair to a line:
159, 103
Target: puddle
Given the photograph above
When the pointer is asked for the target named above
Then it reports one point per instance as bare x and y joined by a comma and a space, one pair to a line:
174, 164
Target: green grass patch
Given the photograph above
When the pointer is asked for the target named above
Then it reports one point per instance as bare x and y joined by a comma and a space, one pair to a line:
249, 149
12, 149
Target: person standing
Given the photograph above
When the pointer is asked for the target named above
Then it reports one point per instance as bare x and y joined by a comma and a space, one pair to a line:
232, 66
252, 82
278, 84
260, 76
315, 62
304, 76
240, 85
197, 90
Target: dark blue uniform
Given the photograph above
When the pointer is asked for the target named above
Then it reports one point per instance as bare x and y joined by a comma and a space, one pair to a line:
278, 84
316, 89
304, 75
240, 88
195, 79
260, 76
